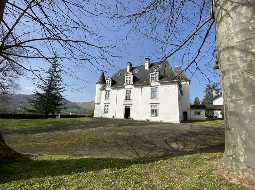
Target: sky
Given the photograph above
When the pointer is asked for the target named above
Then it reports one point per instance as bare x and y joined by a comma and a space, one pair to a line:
130, 47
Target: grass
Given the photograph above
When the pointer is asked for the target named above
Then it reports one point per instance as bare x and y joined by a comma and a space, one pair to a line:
210, 123
25, 123
119, 142
65, 172
117, 155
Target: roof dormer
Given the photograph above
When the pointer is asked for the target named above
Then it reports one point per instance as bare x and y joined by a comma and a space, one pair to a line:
129, 79
108, 82
154, 76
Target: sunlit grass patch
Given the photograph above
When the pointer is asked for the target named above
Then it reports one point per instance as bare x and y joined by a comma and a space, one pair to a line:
25, 123
65, 172
210, 123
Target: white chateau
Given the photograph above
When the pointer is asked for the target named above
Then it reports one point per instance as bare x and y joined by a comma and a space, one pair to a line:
152, 91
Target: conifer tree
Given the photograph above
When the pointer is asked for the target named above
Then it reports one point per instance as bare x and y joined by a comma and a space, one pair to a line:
209, 96
48, 99
197, 101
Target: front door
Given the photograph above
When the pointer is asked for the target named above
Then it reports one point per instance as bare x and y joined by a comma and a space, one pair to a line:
185, 116
127, 112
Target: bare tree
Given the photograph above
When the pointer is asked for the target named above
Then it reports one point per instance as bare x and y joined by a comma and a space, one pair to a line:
190, 29
37, 31
33, 30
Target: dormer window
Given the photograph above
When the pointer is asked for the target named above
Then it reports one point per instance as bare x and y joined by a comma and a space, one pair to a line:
128, 79
154, 77
108, 82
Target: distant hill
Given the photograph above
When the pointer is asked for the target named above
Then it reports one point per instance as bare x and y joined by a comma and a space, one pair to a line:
18, 103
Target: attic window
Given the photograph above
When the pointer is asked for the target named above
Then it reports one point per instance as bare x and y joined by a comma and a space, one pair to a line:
154, 76
108, 82
156, 68
128, 79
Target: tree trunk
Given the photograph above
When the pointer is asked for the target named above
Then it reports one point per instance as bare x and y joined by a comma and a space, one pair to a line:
235, 30
2, 7
6, 152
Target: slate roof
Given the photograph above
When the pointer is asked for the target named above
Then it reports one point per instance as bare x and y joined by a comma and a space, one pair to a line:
200, 106
217, 96
142, 76
208, 107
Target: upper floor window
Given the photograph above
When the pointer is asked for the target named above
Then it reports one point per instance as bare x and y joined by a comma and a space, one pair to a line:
107, 94
154, 76
108, 82
128, 95
154, 92
106, 108
154, 110
128, 79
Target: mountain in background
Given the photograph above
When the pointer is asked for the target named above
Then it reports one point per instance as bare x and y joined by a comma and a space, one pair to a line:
18, 103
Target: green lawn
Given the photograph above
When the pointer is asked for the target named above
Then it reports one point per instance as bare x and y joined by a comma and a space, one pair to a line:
116, 154
65, 172
23, 123
211, 123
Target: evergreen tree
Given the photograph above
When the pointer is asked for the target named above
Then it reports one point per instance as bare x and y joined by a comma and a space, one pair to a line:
197, 101
209, 96
48, 99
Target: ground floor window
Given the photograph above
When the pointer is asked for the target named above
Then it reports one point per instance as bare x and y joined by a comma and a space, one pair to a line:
106, 108
197, 113
154, 110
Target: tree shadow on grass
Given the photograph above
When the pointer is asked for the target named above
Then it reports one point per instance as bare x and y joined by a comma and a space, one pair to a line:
32, 168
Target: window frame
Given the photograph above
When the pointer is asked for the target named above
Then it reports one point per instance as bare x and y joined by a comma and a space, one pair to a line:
154, 92
154, 76
196, 112
108, 82
128, 79
106, 108
128, 90
107, 95
154, 109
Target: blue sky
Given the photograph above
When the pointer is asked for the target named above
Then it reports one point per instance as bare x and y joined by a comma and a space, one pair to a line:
134, 47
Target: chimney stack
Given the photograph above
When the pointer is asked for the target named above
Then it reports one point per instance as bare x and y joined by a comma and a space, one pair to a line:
129, 67
147, 63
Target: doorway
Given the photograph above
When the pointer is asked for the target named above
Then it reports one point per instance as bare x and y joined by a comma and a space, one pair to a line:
127, 112
185, 116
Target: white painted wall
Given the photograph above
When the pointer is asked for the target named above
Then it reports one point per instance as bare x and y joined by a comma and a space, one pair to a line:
218, 113
193, 116
169, 109
218, 101
185, 100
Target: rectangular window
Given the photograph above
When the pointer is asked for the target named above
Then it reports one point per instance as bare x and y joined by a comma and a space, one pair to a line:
106, 108
154, 76
107, 94
108, 82
197, 113
128, 80
154, 92
128, 95
154, 110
